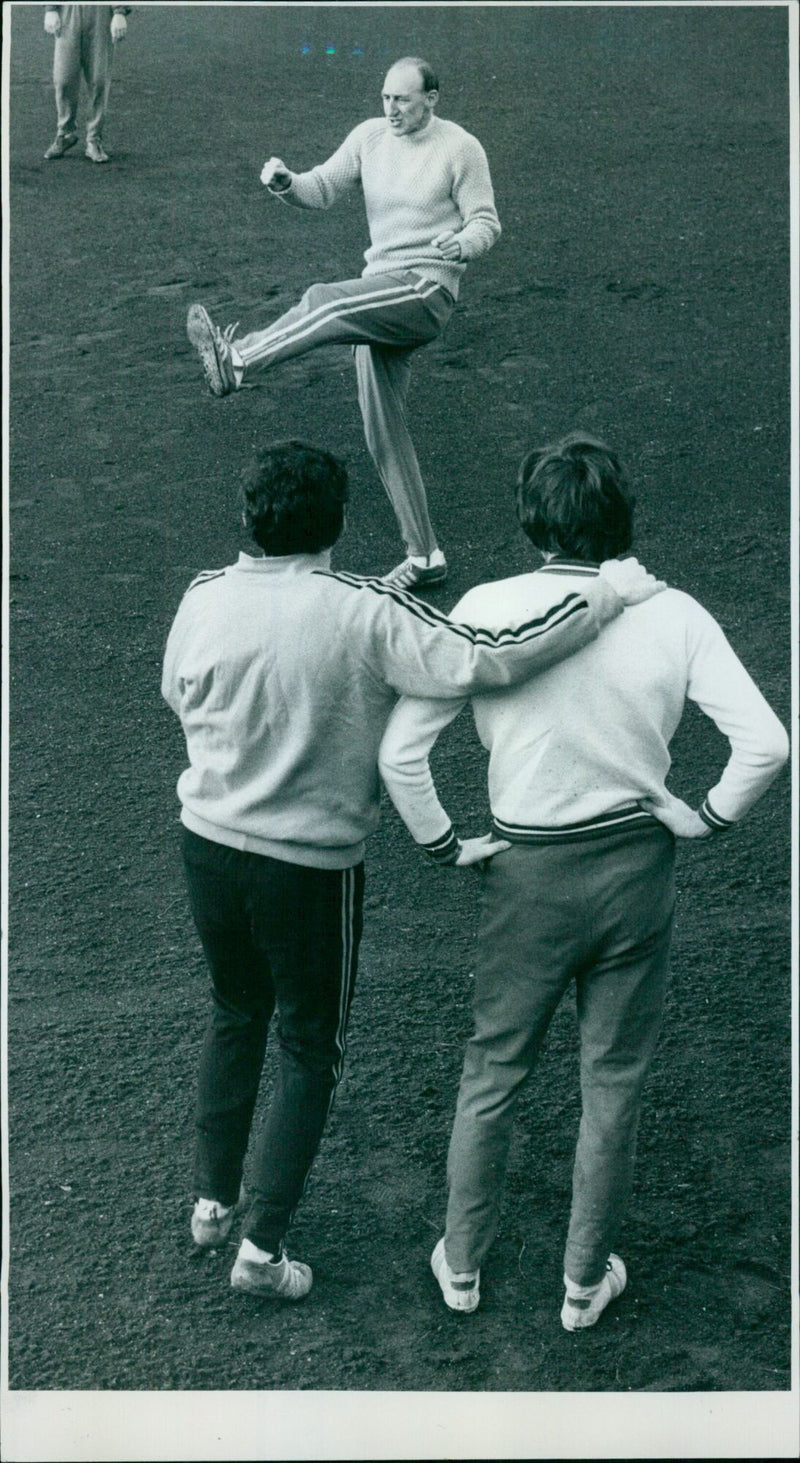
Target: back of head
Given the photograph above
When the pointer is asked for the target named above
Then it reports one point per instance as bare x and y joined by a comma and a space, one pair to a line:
293, 498
573, 498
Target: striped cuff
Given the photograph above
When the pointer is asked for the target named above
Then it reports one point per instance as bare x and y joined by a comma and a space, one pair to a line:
444, 850
713, 820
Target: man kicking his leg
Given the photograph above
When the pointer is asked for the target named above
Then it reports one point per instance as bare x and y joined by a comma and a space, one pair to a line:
430, 210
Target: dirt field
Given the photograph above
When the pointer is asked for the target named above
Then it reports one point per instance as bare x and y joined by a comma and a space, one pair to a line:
640, 161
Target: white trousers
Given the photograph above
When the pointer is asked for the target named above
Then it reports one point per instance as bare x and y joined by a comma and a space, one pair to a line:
385, 317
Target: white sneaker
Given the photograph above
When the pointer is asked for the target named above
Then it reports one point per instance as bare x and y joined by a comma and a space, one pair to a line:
259, 1273
461, 1291
584, 1304
418, 573
211, 1222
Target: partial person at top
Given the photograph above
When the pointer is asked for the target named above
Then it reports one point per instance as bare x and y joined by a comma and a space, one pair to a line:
85, 37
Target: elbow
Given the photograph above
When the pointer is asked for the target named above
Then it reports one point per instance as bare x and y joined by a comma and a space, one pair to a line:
387, 765
779, 747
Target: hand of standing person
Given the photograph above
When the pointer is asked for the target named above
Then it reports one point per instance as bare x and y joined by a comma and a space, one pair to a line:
119, 28
676, 815
478, 850
52, 23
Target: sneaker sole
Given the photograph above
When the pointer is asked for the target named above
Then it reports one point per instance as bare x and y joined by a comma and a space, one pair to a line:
201, 335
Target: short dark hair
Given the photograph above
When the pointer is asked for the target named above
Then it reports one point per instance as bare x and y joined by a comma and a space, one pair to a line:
293, 498
573, 498
430, 81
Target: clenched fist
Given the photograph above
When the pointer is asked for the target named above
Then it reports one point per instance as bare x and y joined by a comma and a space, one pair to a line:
275, 175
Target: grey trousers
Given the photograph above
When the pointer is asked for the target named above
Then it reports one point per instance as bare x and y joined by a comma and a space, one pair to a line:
385, 317
84, 47
598, 913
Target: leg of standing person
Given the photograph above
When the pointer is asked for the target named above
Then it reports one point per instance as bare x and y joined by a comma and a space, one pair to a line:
620, 1003
600, 912
243, 997
97, 55
527, 952
271, 932
67, 77
383, 376
313, 929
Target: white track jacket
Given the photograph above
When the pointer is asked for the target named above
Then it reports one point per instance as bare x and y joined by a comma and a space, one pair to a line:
573, 751
284, 675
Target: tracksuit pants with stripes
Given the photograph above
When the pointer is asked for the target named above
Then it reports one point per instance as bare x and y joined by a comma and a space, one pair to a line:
385, 317
596, 915
83, 46
277, 937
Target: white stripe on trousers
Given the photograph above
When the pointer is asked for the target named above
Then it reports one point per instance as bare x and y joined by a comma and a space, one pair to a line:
348, 972
345, 993
337, 310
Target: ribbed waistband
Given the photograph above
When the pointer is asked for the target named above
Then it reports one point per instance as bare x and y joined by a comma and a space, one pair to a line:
622, 820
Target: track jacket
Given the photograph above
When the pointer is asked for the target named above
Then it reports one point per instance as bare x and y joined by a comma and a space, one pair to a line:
572, 752
284, 675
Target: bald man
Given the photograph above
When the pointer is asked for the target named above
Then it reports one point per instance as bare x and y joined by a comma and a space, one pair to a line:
430, 209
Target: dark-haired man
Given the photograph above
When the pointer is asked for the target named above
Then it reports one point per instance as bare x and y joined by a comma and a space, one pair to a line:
584, 888
430, 209
284, 675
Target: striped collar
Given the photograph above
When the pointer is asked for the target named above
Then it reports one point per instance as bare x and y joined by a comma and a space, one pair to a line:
563, 565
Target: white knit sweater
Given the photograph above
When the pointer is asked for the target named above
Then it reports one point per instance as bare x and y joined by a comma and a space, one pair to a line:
416, 185
572, 752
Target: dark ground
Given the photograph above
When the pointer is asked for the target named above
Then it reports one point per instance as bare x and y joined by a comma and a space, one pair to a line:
640, 161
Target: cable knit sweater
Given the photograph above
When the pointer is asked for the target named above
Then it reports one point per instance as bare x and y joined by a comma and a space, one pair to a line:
416, 185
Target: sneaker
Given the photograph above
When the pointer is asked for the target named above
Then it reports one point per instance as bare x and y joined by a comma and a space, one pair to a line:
95, 151
584, 1304
63, 142
211, 1222
418, 573
214, 349
461, 1292
260, 1273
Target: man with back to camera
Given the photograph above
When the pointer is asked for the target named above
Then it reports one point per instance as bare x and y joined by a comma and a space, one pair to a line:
284, 675
584, 889
430, 209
